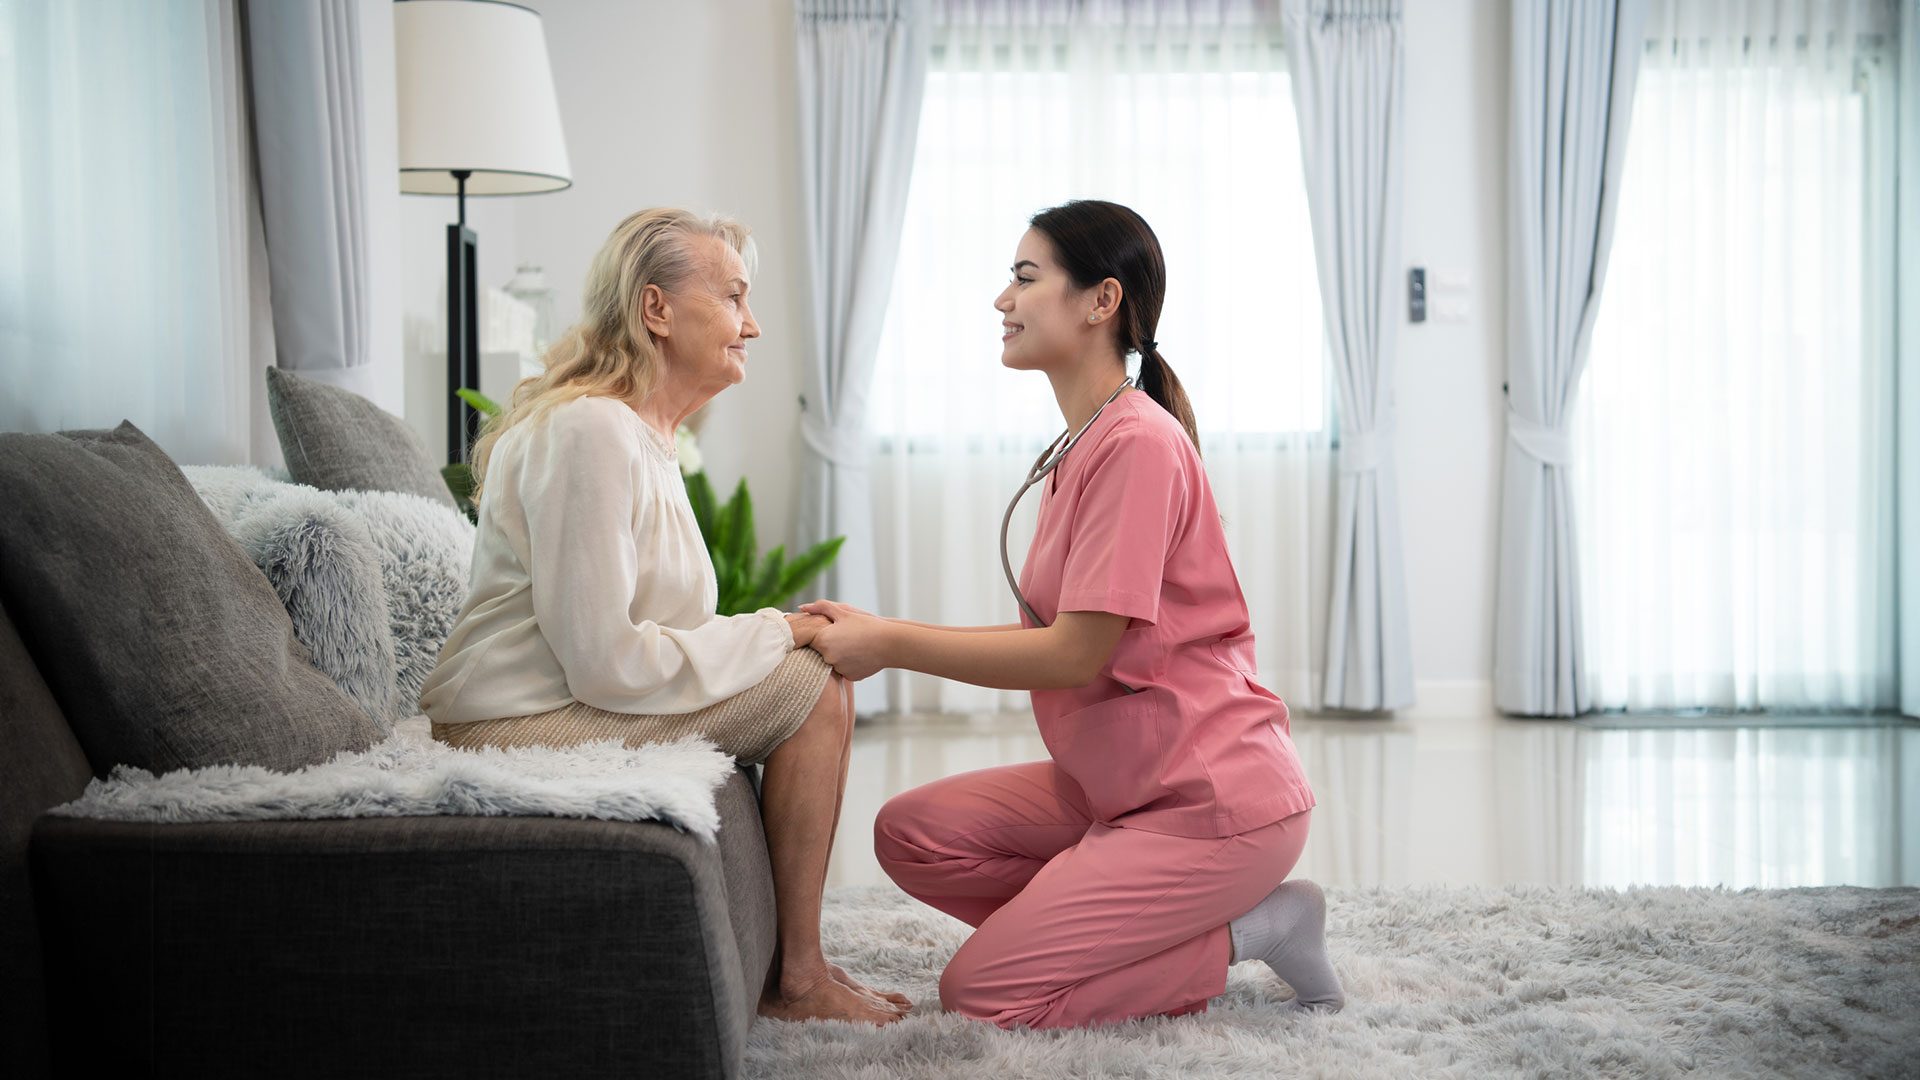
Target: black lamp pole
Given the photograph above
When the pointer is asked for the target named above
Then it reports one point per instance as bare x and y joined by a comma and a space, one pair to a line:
463, 329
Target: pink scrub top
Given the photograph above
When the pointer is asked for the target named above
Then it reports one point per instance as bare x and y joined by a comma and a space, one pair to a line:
1175, 735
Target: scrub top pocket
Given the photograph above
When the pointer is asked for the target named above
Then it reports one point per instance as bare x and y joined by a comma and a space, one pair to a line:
1116, 750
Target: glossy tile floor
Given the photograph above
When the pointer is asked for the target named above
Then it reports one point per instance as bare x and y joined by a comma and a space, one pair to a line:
1489, 800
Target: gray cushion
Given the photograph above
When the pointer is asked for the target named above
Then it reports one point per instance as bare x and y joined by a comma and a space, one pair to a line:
336, 440
162, 642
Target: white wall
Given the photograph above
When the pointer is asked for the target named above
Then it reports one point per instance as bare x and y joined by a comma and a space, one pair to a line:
691, 104
1451, 412
664, 104
676, 104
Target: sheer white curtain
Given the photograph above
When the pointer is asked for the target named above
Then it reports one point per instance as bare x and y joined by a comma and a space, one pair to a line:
1734, 479
861, 67
1180, 110
128, 282
1349, 62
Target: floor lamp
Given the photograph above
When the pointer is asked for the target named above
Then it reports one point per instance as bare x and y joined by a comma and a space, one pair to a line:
478, 116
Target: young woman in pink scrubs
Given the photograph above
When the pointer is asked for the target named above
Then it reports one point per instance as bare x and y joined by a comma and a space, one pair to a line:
1122, 876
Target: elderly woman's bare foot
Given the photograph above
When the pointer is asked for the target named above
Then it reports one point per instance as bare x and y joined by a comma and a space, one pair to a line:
892, 997
823, 998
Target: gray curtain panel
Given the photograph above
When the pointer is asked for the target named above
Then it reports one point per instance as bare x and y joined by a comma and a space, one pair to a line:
309, 133
1573, 68
1907, 431
1347, 61
862, 72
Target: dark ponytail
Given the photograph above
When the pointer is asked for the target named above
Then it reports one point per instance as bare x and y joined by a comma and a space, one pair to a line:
1095, 240
1162, 385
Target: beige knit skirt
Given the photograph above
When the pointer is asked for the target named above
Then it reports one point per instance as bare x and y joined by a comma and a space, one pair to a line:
748, 725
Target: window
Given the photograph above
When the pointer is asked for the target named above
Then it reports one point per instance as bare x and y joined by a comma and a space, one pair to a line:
1734, 490
1196, 133
1191, 124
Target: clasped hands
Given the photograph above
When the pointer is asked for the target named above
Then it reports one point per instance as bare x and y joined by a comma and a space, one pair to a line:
853, 641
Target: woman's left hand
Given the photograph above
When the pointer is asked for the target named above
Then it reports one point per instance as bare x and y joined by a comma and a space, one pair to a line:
856, 642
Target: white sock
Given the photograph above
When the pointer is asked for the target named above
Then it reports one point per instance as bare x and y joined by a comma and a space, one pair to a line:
1288, 930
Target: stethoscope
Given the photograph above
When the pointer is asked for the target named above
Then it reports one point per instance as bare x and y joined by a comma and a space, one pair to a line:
1048, 461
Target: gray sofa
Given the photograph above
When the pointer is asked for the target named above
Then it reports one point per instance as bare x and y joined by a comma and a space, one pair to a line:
416, 946
419, 947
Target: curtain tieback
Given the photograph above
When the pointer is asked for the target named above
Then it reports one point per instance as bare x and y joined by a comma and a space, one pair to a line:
1547, 445
1364, 451
845, 449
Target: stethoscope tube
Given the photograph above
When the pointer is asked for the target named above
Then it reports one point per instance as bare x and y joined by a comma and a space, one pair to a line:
1048, 461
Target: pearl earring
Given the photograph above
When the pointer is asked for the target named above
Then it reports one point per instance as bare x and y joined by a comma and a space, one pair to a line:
1093, 318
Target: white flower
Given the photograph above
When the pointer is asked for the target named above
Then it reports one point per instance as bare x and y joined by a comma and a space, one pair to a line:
688, 449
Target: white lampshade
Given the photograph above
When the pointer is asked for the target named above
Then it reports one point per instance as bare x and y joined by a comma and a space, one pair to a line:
476, 93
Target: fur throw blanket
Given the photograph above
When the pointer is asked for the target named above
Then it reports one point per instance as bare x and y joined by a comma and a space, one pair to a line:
409, 773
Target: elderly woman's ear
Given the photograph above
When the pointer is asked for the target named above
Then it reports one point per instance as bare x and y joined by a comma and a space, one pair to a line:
655, 310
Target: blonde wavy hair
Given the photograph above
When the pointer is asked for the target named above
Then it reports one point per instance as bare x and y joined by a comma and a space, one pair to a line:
610, 351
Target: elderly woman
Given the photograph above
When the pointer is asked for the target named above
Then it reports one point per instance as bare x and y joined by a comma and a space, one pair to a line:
591, 610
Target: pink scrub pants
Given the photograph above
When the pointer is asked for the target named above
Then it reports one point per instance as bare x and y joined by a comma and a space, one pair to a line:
1076, 922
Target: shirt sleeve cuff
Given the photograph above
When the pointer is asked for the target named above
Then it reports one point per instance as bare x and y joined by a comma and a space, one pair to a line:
780, 617
1114, 602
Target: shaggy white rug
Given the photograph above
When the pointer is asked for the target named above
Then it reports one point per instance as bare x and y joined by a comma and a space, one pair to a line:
1446, 982
409, 773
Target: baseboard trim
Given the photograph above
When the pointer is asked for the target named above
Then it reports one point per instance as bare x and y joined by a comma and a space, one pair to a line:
1434, 699
1449, 699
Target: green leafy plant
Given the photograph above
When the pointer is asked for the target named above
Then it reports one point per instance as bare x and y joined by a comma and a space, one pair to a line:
747, 581
459, 475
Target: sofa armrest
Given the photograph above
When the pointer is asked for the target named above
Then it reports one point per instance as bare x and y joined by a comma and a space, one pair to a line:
423, 946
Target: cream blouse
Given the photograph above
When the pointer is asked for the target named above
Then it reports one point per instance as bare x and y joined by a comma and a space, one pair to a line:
591, 582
